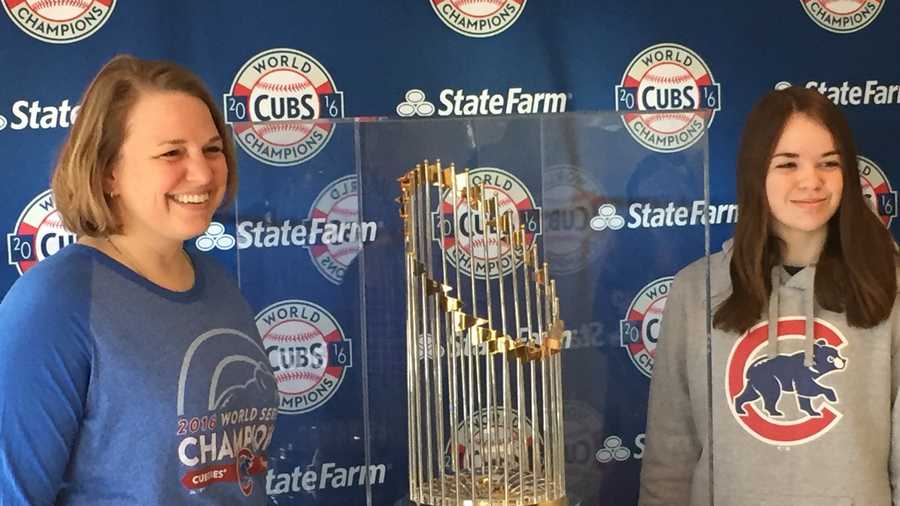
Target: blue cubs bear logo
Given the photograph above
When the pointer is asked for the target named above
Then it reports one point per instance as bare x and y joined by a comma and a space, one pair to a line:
769, 377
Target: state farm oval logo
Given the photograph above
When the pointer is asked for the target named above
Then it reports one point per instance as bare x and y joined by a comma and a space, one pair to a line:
59, 21
280, 105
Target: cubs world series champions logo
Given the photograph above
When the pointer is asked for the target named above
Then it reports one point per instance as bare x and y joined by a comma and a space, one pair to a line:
639, 330
882, 199
39, 233
466, 250
842, 16
336, 203
478, 18
668, 96
570, 201
505, 440
778, 400
59, 21
275, 101
308, 351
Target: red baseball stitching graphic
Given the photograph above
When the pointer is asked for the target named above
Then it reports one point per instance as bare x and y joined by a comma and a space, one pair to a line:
291, 126
44, 4
660, 116
457, 3
340, 211
668, 79
298, 375
343, 252
53, 221
292, 87
292, 338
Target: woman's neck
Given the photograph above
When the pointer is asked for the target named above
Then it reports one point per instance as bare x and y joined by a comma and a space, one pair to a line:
167, 266
802, 248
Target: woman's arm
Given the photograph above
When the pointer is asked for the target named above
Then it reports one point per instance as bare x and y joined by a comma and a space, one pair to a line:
672, 443
45, 361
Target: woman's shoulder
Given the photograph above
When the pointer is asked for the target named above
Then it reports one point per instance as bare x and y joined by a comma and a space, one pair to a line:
64, 275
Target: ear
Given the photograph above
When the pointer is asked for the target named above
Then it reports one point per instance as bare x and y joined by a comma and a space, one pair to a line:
821, 342
110, 183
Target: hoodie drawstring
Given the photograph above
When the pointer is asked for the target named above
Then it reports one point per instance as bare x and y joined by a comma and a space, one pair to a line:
809, 300
773, 312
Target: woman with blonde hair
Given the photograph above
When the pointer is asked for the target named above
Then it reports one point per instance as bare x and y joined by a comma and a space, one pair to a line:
131, 371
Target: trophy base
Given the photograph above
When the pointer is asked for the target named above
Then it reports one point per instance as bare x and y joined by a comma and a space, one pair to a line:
493, 490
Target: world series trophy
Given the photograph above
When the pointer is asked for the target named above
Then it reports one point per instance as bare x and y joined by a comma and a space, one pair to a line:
483, 365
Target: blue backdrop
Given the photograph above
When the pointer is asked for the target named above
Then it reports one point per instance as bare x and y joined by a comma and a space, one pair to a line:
405, 59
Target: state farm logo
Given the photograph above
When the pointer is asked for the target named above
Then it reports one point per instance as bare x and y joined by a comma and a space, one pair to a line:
658, 215
871, 92
280, 104
478, 18
615, 450
668, 96
39, 233
59, 21
32, 115
456, 102
843, 16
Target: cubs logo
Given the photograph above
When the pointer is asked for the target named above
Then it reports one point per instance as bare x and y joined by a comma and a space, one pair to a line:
842, 16
59, 21
639, 330
877, 190
487, 439
478, 18
570, 199
668, 96
337, 203
308, 351
778, 400
468, 245
39, 233
280, 106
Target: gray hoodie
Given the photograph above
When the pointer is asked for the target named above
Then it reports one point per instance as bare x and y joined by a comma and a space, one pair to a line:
802, 412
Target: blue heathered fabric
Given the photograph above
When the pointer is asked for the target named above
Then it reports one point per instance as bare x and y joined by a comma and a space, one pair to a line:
114, 390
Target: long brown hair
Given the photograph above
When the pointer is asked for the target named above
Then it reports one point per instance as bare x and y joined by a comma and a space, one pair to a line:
92, 146
855, 272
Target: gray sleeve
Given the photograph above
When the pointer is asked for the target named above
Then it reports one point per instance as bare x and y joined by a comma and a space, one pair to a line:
673, 446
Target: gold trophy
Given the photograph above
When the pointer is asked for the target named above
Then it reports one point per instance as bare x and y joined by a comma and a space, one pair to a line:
484, 375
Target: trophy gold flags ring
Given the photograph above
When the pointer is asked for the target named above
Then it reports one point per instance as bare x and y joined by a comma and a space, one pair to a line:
482, 343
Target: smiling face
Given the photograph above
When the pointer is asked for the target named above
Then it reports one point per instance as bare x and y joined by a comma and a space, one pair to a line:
170, 174
804, 181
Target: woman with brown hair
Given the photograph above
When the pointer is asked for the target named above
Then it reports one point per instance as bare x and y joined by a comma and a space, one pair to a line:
792, 399
131, 372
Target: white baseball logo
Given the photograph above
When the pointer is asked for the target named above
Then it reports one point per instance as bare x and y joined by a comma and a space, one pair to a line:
59, 21
60, 10
479, 7
302, 355
272, 97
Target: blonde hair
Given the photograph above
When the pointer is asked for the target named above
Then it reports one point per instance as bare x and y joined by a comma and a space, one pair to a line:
92, 146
